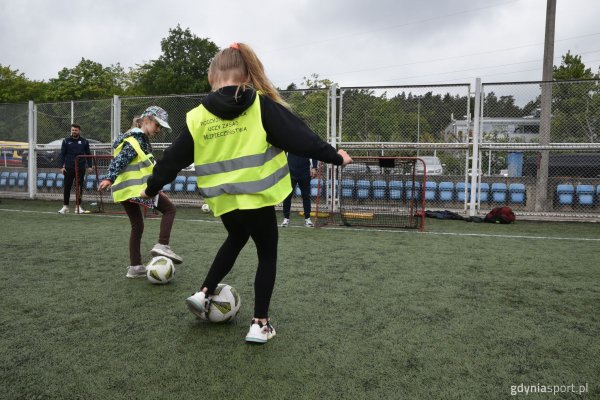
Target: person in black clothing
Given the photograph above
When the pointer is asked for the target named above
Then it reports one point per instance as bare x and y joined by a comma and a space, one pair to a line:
243, 112
301, 174
72, 147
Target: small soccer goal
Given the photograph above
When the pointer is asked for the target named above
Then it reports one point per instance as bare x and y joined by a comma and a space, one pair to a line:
99, 202
372, 191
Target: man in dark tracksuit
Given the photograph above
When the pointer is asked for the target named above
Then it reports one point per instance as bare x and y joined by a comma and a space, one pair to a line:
301, 173
72, 147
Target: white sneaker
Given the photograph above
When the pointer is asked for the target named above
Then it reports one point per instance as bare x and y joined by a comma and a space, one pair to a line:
260, 333
63, 210
308, 223
165, 250
136, 271
285, 223
80, 210
198, 304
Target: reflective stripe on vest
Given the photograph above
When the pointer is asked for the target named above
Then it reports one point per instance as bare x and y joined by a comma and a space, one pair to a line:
236, 168
132, 179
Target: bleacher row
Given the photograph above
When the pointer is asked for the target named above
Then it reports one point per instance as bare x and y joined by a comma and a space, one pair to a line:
361, 189
443, 191
181, 184
500, 193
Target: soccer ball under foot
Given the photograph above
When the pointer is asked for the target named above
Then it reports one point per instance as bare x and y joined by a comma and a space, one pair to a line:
160, 270
224, 304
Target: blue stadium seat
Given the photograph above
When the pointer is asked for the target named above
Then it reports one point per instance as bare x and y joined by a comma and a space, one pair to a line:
179, 185
316, 185
167, 187
363, 189
60, 181
379, 189
4, 178
516, 192
446, 191
484, 192
191, 185
598, 193
22, 180
12, 178
297, 191
347, 188
50, 178
430, 190
408, 190
585, 195
395, 190
461, 194
41, 179
565, 193
499, 192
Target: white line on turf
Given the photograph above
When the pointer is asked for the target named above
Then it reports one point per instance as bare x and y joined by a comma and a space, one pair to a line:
391, 231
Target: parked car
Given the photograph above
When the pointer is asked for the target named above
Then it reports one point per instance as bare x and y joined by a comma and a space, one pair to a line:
50, 158
433, 164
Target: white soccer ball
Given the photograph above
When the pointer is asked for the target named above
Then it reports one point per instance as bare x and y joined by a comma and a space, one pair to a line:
160, 270
224, 305
205, 208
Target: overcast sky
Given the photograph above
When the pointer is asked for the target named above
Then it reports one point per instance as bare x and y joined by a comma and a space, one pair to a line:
350, 42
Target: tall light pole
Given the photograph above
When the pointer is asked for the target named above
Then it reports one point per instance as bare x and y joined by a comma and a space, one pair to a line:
541, 199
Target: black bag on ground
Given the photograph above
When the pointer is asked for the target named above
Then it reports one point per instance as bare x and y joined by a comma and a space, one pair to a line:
500, 215
443, 215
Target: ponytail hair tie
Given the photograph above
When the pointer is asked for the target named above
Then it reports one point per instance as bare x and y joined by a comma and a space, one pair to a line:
234, 45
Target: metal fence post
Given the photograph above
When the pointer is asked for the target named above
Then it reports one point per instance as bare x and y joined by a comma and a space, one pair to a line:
31, 164
475, 148
116, 118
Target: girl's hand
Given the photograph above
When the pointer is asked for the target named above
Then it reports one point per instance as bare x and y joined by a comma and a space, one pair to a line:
104, 184
347, 158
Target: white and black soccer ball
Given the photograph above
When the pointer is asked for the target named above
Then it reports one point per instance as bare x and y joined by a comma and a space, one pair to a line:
160, 270
224, 304
205, 208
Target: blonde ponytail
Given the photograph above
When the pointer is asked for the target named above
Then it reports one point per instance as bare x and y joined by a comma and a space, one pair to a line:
240, 63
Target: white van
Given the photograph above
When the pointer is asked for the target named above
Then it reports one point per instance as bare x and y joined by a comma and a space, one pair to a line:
433, 164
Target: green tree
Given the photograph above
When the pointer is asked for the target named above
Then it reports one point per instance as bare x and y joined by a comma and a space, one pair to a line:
314, 82
88, 80
16, 88
182, 67
501, 107
576, 104
571, 67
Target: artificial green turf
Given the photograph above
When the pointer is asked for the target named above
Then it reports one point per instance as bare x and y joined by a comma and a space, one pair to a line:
462, 311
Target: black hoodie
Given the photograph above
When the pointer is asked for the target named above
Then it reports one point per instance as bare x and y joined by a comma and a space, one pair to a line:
284, 130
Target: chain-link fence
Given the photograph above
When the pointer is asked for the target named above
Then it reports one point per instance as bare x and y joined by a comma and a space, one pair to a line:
537, 168
553, 160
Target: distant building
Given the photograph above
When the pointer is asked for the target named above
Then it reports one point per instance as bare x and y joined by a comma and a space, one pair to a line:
524, 129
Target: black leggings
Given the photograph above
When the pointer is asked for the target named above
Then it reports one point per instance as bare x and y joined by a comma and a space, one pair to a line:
260, 225
69, 179
304, 183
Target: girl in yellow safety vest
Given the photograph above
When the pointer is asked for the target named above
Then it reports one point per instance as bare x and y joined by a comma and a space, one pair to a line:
236, 139
127, 175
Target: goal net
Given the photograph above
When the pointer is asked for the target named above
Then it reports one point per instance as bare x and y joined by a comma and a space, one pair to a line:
96, 201
372, 191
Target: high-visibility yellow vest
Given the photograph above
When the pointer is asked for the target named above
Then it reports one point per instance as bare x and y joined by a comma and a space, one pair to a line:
236, 168
132, 179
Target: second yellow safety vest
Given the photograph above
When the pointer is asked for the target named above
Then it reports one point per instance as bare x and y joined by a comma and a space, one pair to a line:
132, 179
